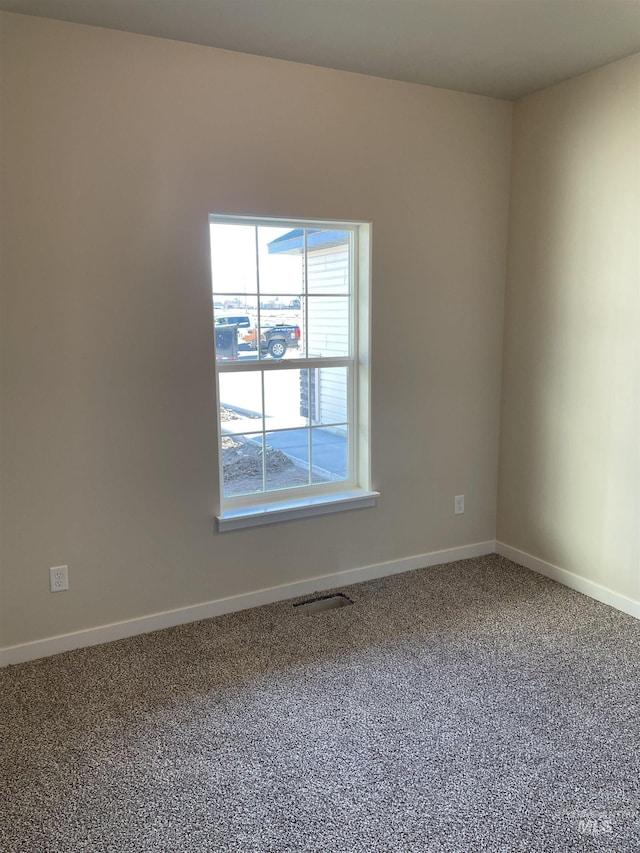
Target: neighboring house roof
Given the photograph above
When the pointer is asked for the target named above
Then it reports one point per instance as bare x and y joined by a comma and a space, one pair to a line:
292, 242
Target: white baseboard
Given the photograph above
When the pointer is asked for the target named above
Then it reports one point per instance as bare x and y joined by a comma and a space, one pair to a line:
169, 618
590, 588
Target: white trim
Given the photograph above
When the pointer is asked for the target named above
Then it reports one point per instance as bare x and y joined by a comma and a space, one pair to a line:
300, 363
563, 576
169, 618
270, 505
284, 221
253, 515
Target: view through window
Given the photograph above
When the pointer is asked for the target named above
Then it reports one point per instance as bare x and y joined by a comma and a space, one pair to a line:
286, 327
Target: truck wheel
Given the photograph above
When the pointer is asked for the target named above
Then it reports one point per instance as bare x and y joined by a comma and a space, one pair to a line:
277, 348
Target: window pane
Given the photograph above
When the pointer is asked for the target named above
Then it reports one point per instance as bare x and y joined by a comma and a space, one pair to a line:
235, 332
233, 260
281, 265
279, 338
287, 459
329, 454
283, 396
225, 304
328, 261
226, 343
329, 395
328, 326
240, 401
242, 464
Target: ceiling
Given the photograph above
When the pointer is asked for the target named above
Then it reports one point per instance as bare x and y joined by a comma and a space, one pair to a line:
501, 48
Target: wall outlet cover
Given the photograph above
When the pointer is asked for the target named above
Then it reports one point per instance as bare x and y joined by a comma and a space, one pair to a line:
59, 578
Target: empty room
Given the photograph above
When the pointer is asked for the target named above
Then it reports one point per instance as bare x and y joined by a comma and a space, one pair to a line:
319, 426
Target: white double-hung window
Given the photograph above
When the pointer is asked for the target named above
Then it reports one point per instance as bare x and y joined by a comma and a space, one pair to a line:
291, 329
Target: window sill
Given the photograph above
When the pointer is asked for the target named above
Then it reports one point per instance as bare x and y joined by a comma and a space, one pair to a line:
252, 516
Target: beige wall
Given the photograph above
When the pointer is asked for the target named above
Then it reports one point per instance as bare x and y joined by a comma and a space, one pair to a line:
115, 147
569, 471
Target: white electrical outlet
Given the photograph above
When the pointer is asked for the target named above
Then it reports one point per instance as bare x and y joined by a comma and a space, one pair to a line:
59, 578
458, 504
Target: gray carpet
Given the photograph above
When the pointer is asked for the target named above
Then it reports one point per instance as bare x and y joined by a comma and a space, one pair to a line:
473, 706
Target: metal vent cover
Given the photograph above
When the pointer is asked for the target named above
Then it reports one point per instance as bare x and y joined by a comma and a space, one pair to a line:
313, 606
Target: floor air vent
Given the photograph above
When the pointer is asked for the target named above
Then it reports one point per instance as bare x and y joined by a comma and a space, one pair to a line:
325, 602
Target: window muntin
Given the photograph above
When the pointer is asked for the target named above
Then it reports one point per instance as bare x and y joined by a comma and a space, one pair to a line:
287, 422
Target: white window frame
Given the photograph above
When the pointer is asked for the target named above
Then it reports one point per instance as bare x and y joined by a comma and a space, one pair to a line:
356, 492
